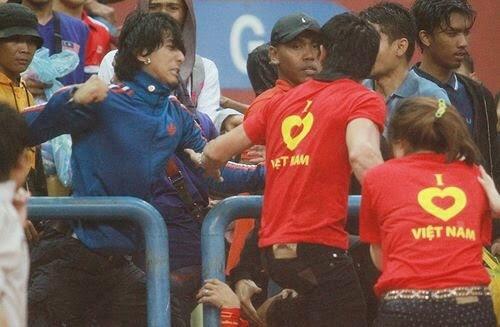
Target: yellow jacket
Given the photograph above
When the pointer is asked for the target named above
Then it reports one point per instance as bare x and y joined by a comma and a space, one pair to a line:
19, 98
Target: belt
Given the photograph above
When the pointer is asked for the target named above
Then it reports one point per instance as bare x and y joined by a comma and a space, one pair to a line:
440, 294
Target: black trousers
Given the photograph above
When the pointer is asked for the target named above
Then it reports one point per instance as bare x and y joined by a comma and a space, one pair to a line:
436, 313
325, 278
73, 286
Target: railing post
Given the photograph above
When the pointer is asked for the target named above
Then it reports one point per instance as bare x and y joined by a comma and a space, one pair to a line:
132, 209
212, 239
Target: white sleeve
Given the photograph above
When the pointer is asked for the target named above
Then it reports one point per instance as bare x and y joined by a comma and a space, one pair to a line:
106, 69
209, 98
11, 236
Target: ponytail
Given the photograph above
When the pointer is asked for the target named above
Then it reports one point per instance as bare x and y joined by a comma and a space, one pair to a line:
431, 125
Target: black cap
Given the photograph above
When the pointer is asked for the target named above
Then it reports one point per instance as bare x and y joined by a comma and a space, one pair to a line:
16, 19
289, 27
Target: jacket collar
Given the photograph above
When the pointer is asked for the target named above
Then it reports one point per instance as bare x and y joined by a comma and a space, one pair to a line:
452, 83
5, 80
149, 89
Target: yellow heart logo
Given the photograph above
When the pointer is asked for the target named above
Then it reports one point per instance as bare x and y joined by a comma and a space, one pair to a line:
427, 196
290, 123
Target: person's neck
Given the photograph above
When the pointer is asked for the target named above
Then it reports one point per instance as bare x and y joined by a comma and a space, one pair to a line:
43, 12
14, 77
283, 78
75, 12
432, 68
388, 84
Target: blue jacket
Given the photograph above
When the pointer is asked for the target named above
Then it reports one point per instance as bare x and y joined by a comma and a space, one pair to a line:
120, 148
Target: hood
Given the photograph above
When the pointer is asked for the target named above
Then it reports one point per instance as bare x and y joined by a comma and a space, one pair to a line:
188, 36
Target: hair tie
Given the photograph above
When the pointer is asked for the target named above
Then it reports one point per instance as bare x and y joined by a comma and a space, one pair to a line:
441, 108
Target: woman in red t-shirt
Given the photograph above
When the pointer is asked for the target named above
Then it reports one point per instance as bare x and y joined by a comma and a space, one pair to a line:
427, 217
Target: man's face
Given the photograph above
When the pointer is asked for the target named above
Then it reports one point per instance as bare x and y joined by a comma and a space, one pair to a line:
448, 44
165, 64
16, 53
387, 60
174, 8
299, 59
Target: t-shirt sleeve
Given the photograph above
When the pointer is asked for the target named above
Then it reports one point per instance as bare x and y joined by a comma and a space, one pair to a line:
371, 106
255, 125
369, 229
255, 107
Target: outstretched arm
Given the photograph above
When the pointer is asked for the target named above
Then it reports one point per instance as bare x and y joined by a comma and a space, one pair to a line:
218, 151
363, 144
238, 178
491, 192
70, 111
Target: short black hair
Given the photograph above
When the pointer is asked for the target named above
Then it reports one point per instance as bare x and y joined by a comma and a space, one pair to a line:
261, 73
352, 46
14, 138
395, 21
290, 312
432, 14
143, 32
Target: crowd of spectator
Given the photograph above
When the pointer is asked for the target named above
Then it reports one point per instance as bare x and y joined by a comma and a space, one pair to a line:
340, 109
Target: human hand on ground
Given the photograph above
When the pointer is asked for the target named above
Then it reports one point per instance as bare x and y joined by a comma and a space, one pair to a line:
245, 289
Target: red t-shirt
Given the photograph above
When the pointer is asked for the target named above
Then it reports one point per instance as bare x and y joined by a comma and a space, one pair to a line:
98, 44
431, 219
307, 166
262, 100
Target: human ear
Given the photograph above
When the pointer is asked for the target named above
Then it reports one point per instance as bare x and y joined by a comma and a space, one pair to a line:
144, 57
273, 56
322, 53
401, 47
425, 38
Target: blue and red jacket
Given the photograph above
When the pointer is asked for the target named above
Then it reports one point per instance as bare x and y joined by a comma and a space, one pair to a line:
120, 148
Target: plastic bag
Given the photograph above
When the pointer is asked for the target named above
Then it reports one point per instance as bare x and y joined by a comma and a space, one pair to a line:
493, 267
56, 155
47, 69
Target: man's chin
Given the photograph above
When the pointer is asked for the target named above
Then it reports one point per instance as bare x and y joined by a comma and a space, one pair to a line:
173, 85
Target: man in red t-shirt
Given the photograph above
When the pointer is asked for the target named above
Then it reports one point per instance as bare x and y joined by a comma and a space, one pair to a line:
296, 57
315, 135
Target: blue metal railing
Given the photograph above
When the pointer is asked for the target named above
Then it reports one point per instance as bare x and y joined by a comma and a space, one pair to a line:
212, 239
132, 209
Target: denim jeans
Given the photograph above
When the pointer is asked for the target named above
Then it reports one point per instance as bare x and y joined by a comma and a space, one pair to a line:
325, 278
436, 313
